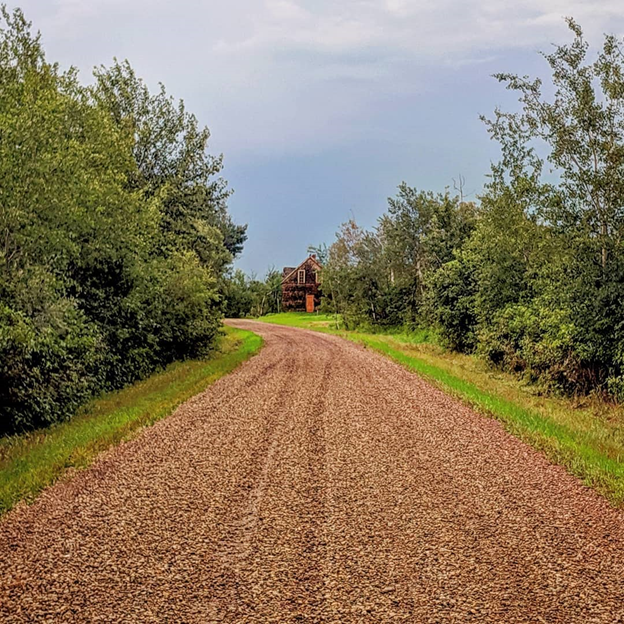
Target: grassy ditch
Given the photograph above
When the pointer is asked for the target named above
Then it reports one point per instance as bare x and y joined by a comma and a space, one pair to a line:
32, 461
587, 437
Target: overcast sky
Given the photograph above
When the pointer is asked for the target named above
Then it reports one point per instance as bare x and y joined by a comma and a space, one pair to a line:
322, 107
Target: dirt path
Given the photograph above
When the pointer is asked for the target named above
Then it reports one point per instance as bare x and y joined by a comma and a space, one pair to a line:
317, 483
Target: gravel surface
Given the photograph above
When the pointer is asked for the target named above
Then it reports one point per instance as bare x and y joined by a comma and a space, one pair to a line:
319, 482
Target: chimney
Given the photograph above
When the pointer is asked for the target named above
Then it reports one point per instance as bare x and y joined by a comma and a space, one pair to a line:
313, 256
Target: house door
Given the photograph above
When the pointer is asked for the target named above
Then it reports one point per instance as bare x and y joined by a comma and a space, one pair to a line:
309, 303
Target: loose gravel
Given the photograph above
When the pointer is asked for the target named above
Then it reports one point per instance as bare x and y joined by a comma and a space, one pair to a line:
319, 482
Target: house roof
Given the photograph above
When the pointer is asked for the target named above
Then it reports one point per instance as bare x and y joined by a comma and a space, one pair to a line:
310, 257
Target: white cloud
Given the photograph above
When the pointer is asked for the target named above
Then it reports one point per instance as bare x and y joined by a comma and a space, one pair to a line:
274, 74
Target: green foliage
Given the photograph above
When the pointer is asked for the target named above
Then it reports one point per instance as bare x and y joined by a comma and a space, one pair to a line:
248, 296
572, 257
535, 340
420, 232
46, 368
532, 279
380, 278
173, 165
452, 304
114, 232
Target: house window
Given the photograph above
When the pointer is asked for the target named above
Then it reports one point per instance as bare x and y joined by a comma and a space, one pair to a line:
317, 277
301, 276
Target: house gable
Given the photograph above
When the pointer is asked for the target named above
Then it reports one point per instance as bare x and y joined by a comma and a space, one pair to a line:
310, 265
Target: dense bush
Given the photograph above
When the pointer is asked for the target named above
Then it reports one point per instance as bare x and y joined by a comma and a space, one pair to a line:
249, 296
452, 304
114, 232
46, 368
537, 342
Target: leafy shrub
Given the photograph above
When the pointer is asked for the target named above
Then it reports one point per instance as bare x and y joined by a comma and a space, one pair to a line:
452, 300
47, 369
539, 342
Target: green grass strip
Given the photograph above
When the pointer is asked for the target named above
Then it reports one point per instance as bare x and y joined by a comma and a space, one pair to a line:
30, 462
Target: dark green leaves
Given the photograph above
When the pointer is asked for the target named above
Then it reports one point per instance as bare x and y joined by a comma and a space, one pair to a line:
114, 232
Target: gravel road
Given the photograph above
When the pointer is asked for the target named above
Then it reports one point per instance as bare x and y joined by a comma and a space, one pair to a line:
319, 482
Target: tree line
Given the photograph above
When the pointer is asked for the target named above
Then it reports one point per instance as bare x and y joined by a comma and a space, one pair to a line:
530, 277
114, 232
248, 295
